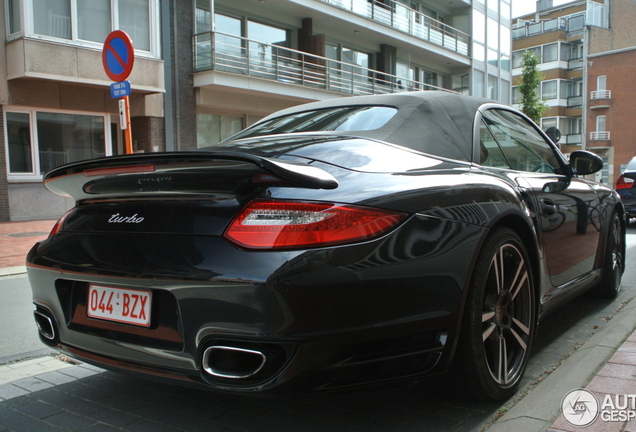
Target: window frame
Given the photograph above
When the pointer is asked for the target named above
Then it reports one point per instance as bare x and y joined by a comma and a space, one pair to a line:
558, 157
28, 27
35, 145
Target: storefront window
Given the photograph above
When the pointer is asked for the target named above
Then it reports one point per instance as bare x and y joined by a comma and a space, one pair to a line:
58, 138
64, 138
212, 129
19, 141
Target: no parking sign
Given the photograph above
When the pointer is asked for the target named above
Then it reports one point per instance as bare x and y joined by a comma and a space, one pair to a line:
118, 55
118, 58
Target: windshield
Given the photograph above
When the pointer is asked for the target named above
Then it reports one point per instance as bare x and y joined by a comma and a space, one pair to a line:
356, 118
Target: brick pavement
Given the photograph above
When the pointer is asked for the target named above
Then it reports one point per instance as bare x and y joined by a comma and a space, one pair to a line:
16, 238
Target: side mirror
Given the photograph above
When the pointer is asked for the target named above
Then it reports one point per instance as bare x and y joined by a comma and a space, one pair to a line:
585, 162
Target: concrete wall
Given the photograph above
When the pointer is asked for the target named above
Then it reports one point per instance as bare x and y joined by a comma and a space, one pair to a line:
32, 201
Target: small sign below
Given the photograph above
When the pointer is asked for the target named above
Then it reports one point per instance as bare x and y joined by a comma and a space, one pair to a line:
120, 89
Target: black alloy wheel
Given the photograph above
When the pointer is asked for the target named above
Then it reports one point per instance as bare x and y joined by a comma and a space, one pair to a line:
499, 320
614, 260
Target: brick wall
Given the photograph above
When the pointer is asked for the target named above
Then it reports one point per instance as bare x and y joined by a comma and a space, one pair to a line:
184, 103
4, 188
620, 70
148, 134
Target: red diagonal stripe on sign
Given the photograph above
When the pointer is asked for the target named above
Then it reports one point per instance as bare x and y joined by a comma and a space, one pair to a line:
116, 55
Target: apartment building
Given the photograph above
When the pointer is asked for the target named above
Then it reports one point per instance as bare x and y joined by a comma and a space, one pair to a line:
270, 54
55, 104
586, 50
204, 69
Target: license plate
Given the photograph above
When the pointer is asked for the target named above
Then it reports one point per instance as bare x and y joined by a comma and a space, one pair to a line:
120, 305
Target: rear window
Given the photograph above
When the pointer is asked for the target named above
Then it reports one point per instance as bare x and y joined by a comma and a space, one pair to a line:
356, 118
631, 166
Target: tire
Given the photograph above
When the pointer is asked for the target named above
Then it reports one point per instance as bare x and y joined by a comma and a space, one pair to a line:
499, 319
613, 261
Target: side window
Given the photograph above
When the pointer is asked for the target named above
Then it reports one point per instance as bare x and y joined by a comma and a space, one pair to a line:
524, 148
489, 151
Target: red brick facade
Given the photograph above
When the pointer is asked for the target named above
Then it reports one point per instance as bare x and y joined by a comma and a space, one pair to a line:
619, 109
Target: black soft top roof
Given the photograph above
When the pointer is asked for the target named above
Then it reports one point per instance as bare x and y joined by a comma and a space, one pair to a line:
434, 122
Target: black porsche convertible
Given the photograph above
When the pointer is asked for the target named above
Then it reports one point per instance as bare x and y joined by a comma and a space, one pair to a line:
335, 245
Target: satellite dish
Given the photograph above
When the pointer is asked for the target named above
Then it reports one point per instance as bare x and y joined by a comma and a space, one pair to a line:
554, 134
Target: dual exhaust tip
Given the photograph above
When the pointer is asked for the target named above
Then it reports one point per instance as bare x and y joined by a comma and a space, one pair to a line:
232, 362
220, 361
46, 327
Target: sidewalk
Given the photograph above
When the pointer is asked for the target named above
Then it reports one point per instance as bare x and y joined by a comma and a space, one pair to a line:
604, 365
16, 238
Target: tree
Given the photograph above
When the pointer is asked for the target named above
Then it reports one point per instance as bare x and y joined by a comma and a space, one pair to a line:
531, 102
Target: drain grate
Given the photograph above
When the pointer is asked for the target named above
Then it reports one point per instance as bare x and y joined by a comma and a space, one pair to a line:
28, 234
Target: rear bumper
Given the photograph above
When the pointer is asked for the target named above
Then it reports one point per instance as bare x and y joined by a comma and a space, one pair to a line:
343, 317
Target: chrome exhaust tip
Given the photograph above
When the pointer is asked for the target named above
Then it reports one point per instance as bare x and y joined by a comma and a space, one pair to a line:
232, 362
45, 325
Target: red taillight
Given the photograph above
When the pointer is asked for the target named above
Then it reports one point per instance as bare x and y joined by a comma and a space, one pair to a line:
624, 182
59, 223
292, 225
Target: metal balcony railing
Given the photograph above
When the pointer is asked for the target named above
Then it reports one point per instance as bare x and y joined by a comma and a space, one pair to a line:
238, 55
601, 94
409, 21
600, 136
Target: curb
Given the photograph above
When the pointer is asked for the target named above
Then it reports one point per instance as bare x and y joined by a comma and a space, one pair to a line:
10, 271
540, 408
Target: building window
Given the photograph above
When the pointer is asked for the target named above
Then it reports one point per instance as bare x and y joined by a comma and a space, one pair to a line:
516, 95
601, 82
89, 22
550, 53
492, 87
19, 142
478, 84
212, 128
600, 123
15, 16
549, 89
52, 18
479, 27
39, 141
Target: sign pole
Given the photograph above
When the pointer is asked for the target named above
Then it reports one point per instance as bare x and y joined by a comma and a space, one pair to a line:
118, 58
128, 130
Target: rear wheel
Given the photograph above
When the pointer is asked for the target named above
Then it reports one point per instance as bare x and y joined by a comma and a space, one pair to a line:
499, 320
614, 260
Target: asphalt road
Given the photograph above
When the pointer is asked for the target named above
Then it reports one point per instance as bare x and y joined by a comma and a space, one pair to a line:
425, 407
18, 333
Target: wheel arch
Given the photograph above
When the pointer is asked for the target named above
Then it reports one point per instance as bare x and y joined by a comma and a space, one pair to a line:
526, 232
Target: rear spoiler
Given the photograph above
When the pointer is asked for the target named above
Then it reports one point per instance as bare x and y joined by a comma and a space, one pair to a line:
179, 173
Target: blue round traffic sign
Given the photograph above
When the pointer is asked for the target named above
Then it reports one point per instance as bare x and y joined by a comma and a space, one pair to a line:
118, 55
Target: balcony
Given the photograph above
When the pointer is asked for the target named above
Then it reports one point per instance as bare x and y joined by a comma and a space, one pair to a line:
409, 21
574, 64
600, 136
601, 94
241, 56
575, 101
573, 139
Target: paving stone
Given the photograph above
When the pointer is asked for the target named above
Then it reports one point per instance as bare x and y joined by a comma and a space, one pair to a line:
32, 384
9, 391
